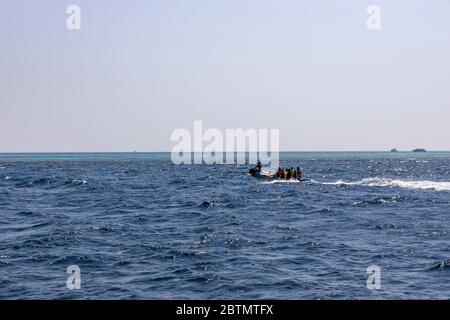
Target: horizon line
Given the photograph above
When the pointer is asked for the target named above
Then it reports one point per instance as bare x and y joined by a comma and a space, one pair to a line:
284, 151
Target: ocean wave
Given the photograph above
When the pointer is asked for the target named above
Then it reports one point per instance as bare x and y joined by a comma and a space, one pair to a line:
75, 181
441, 265
101, 228
206, 205
378, 200
36, 182
383, 182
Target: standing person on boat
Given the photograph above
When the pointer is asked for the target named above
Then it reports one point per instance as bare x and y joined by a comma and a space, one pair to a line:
256, 169
258, 166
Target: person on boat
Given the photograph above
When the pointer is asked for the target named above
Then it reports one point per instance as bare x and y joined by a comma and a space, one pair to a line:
282, 174
288, 174
294, 173
299, 173
258, 167
278, 173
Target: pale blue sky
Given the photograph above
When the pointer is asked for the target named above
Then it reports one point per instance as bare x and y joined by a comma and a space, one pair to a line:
137, 70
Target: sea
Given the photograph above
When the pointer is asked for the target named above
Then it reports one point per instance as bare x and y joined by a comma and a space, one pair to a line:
367, 225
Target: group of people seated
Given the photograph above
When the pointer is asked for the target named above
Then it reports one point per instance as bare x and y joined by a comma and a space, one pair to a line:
282, 173
289, 173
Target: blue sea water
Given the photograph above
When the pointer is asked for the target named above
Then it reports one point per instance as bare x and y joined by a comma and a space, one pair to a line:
140, 227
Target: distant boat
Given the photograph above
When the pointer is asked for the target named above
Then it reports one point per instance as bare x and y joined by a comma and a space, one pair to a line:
419, 150
394, 150
267, 176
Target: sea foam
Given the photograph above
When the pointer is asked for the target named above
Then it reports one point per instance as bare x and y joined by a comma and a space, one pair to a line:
383, 182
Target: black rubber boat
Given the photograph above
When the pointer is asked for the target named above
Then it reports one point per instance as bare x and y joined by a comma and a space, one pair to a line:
268, 177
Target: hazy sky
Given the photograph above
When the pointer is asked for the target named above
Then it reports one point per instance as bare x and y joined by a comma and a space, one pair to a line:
137, 70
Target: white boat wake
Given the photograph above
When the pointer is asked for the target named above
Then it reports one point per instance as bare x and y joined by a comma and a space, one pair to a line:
383, 182
280, 181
